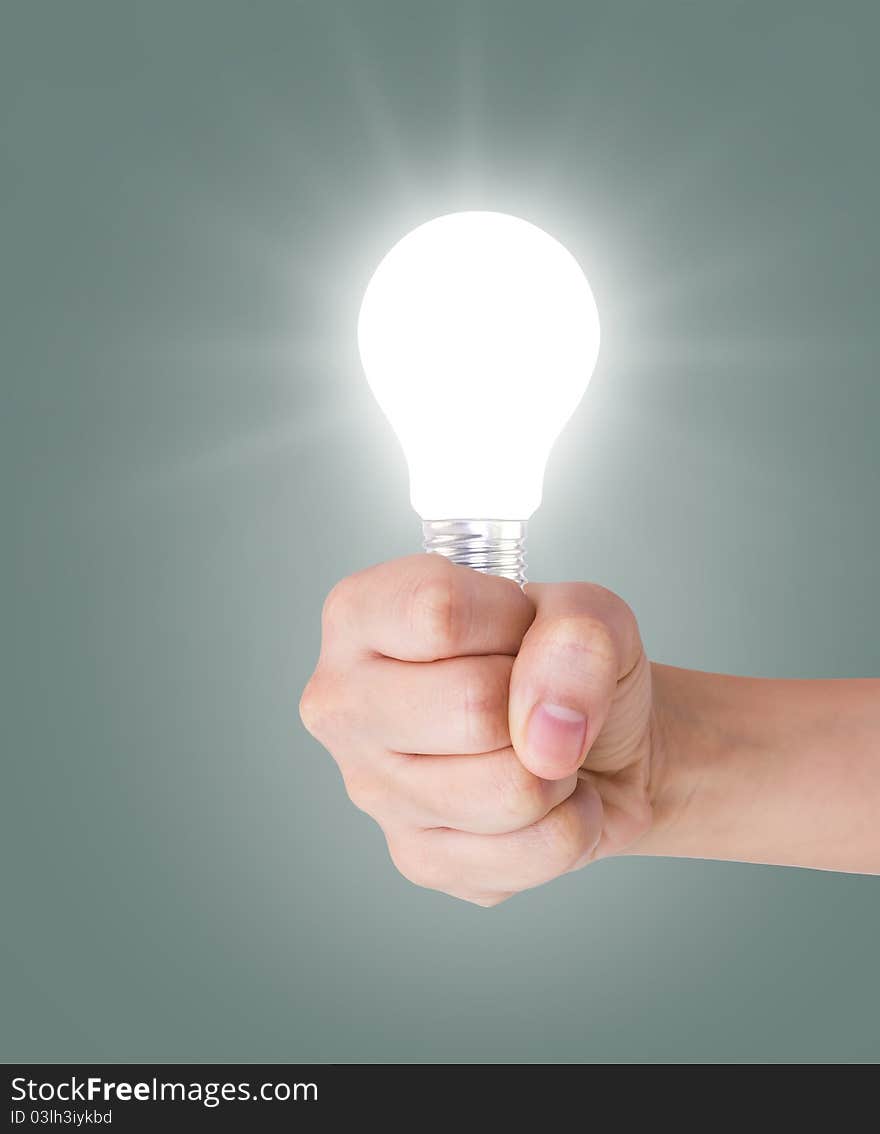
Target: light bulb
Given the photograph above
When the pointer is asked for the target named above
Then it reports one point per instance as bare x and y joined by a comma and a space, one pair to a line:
478, 333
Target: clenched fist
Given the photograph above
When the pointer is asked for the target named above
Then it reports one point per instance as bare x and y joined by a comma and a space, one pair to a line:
499, 738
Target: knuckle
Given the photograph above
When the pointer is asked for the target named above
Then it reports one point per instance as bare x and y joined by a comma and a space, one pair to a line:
337, 604
564, 837
364, 790
411, 859
485, 707
312, 706
324, 711
437, 611
616, 609
520, 796
487, 901
608, 600
584, 633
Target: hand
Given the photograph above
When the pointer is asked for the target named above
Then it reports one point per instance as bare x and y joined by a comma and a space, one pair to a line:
499, 738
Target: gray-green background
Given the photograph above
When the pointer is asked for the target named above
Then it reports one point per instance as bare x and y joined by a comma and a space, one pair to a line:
194, 195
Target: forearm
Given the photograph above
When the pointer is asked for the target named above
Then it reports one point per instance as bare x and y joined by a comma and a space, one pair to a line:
760, 770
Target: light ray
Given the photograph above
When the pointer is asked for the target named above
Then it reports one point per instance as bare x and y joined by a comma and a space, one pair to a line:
471, 94
270, 357
610, 218
371, 103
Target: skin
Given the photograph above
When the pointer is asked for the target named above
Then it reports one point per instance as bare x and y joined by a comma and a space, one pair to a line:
501, 738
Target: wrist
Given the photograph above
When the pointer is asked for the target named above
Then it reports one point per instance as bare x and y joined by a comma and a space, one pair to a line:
689, 749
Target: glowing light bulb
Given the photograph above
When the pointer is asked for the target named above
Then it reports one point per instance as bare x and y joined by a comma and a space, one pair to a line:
478, 334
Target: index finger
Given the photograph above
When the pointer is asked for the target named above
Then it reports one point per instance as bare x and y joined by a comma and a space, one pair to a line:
424, 608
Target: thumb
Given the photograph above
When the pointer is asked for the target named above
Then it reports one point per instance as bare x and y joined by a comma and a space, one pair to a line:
583, 639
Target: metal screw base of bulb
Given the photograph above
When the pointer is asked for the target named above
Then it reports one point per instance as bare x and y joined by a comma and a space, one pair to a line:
496, 547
